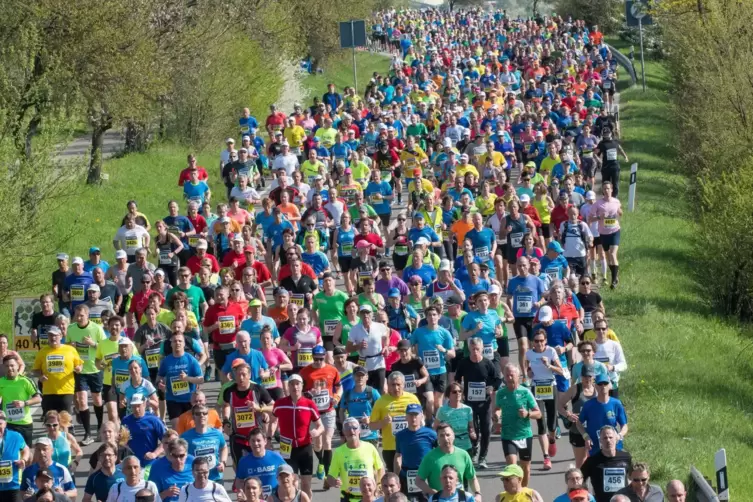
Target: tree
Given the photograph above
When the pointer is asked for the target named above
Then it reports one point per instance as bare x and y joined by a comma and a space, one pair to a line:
606, 14
464, 3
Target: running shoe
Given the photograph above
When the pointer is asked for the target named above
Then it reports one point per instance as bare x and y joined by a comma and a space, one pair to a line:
557, 432
87, 441
547, 464
482, 463
320, 472
552, 448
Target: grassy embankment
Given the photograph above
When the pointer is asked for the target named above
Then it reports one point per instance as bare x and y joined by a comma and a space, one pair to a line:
689, 384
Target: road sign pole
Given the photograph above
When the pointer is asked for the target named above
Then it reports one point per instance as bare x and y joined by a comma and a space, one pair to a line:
355, 74
643, 65
722, 483
631, 189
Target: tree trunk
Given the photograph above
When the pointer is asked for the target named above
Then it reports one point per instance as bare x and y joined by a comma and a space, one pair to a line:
31, 130
135, 137
101, 122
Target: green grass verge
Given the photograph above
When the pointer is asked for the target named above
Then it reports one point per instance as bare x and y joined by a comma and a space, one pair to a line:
688, 389
338, 69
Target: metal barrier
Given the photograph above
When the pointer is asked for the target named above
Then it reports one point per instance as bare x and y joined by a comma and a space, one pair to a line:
700, 487
625, 62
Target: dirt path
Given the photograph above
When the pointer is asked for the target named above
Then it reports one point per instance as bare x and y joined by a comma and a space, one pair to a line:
292, 89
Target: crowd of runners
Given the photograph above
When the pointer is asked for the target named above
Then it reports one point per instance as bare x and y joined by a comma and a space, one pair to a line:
351, 289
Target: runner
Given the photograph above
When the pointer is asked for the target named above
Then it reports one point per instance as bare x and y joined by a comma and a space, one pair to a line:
601, 411
203, 487
352, 461
260, 463
85, 336
18, 394
296, 415
146, 432
206, 442
607, 213
389, 415
518, 407
435, 346
607, 468
178, 374
370, 339
56, 366
512, 477
431, 470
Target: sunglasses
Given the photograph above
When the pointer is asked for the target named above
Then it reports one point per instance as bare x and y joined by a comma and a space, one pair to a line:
201, 414
603, 384
585, 283
639, 480
182, 455
600, 329
51, 425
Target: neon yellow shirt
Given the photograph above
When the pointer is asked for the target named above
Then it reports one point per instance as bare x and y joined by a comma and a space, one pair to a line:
295, 136
327, 136
352, 464
394, 407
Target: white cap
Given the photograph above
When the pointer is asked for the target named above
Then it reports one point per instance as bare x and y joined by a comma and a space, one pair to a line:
78, 260
202, 244
295, 377
238, 238
137, 399
159, 271
422, 241
494, 290
590, 195
525, 198
230, 140
124, 341
545, 314
44, 440
365, 308
120, 254
62, 256
448, 142
445, 265
93, 287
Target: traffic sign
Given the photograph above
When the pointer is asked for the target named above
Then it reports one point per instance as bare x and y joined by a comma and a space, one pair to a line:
352, 34
637, 13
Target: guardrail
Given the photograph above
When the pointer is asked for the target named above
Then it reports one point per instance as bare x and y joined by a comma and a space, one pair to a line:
700, 487
625, 62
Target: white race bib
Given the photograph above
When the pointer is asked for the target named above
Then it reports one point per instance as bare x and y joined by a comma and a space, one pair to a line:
6, 471
482, 252
516, 239
612, 154
476, 391
588, 322
614, 479
525, 304
321, 399
410, 384
411, 476
330, 327
431, 359
14, 413
489, 351
398, 424
207, 453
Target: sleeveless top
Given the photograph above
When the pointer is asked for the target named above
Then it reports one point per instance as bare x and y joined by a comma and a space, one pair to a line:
524, 495
578, 400
297, 497
519, 229
542, 206
163, 249
61, 452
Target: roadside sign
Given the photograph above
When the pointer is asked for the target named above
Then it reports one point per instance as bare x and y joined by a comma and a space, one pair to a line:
352, 34
23, 310
636, 13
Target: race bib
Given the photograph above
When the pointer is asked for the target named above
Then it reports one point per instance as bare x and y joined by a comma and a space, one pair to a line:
207, 453
410, 384
398, 424
544, 391
482, 252
607, 84
330, 327
244, 418
476, 391
521, 444
245, 128
227, 324
553, 273
459, 344
121, 378
354, 480
266, 490
401, 250
588, 322
610, 222
431, 359
83, 351
305, 357
614, 479
361, 361
297, 298
587, 154
411, 477
363, 275
525, 304
269, 382
321, 399
179, 387
516, 239
286, 446
132, 242
6, 471
164, 258
14, 413
347, 247
77, 293
489, 351
55, 364
375, 198
152, 357
612, 154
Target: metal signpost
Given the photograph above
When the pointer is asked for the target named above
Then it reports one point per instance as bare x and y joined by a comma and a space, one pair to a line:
636, 14
631, 189
352, 35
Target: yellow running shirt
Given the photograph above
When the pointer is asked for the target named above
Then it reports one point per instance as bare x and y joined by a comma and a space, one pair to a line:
394, 407
57, 365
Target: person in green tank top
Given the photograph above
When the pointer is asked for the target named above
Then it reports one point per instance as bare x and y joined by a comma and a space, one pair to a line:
85, 336
328, 307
